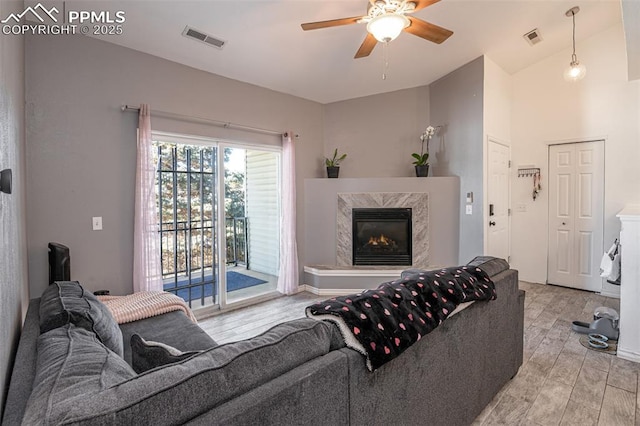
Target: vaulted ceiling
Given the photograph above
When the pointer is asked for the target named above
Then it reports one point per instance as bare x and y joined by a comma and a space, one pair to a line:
266, 46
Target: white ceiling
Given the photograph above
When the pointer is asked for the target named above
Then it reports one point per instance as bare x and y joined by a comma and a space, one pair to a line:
266, 46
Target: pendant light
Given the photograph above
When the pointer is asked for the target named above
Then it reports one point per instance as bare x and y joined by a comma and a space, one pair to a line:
575, 71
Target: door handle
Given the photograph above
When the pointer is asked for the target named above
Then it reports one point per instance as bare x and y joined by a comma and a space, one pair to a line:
492, 223
563, 223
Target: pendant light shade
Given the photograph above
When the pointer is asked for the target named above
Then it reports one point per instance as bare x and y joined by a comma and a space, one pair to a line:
576, 70
387, 27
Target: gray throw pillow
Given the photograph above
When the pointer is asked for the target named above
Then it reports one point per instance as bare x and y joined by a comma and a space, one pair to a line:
65, 302
146, 355
71, 364
490, 265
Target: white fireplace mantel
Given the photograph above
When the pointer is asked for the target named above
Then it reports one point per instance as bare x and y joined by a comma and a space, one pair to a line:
629, 343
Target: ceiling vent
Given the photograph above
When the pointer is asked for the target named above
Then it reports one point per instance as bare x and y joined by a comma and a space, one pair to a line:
202, 37
533, 37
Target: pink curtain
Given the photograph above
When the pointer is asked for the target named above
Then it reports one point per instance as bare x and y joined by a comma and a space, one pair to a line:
147, 268
288, 275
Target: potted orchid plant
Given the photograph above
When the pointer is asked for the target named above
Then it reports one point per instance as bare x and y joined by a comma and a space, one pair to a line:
422, 160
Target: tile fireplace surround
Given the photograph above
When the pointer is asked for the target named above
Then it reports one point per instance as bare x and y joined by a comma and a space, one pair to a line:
416, 201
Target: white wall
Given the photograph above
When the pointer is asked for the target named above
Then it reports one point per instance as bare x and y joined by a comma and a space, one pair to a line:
377, 132
497, 98
81, 147
14, 291
546, 109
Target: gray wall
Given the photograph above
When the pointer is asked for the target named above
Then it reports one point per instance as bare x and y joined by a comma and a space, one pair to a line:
377, 132
13, 272
321, 212
457, 104
81, 148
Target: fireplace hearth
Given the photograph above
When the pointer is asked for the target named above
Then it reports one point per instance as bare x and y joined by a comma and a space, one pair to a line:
382, 236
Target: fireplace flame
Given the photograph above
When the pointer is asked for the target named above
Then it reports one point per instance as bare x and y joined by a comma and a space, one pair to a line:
382, 240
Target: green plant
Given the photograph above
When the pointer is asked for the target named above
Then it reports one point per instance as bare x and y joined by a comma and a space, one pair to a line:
421, 159
335, 161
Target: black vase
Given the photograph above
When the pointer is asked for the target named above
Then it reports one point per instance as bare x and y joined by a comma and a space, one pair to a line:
333, 172
422, 171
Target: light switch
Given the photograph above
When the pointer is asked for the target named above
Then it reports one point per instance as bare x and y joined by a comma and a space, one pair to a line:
469, 209
97, 223
469, 197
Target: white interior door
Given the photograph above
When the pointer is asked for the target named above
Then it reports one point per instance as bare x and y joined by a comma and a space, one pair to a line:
576, 201
498, 235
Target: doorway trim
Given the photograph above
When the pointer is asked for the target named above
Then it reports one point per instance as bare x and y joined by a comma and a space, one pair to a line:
485, 201
577, 141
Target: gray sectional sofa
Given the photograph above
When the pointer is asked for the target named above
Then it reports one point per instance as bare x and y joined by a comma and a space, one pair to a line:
297, 373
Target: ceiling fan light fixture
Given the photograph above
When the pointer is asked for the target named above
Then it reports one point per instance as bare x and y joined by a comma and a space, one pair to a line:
387, 27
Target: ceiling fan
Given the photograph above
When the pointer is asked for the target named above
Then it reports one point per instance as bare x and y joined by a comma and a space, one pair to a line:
385, 20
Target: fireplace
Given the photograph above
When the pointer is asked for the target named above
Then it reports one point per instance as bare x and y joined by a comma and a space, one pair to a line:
382, 236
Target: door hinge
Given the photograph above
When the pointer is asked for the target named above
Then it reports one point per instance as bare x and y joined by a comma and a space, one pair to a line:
508, 212
509, 163
508, 259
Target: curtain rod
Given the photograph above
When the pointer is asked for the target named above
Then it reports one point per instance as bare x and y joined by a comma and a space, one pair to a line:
225, 124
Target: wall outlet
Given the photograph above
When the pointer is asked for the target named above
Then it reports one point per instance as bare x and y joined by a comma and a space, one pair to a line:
469, 209
521, 207
96, 221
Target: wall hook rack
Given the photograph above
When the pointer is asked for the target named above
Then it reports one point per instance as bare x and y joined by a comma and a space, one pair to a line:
528, 171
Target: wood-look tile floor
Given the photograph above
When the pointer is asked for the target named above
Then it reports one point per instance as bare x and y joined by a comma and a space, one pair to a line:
560, 382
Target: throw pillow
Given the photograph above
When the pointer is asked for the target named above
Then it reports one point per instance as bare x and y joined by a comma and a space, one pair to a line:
146, 355
65, 302
492, 266
71, 363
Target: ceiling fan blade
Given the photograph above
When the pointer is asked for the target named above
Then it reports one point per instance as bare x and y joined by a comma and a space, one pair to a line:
331, 23
366, 47
427, 30
421, 4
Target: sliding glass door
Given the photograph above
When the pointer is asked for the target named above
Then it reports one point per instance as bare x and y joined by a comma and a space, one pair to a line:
252, 220
219, 213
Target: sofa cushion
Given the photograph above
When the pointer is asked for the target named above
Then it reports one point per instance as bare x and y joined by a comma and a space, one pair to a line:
490, 265
173, 328
72, 364
146, 355
66, 302
206, 380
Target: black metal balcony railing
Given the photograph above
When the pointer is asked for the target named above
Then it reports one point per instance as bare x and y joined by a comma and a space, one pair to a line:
187, 203
189, 246
236, 232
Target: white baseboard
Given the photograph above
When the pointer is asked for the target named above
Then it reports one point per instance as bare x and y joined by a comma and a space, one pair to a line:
610, 294
628, 355
329, 291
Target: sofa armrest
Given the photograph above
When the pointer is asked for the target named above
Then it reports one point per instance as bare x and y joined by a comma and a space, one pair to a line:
24, 369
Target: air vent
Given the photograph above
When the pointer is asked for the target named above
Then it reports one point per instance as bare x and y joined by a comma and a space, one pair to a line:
202, 37
533, 37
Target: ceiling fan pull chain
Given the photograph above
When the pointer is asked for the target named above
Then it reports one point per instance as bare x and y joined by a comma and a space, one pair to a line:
385, 59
